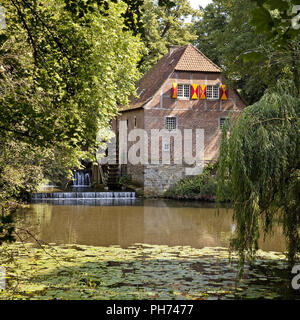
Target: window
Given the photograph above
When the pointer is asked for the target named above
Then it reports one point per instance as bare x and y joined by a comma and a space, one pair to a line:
167, 146
135, 122
221, 122
171, 123
183, 91
213, 92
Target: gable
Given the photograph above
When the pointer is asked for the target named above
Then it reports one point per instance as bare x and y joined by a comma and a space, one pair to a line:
186, 58
194, 60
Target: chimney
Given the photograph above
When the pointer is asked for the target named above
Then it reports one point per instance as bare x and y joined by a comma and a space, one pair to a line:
172, 49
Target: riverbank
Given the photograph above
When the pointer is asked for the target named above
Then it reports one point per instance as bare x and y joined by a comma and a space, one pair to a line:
202, 187
138, 272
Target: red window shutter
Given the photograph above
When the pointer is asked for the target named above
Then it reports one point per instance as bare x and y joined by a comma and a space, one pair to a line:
174, 90
195, 91
224, 92
203, 88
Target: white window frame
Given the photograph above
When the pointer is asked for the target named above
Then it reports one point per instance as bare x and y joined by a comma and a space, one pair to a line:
176, 122
215, 92
167, 147
184, 91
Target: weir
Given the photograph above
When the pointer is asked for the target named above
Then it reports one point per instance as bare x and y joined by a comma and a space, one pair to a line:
82, 195
81, 179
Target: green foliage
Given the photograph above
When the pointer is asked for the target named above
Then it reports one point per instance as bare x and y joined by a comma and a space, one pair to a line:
273, 17
62, 77
57, 72
202, 186
132, 15
7, 222
125, 179
260, 157
165, 26
250, 61
210, 30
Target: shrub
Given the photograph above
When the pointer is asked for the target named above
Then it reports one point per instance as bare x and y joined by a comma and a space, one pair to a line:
125, 179
203, 186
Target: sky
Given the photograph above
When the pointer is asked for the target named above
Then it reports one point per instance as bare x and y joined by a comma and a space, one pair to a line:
195, 3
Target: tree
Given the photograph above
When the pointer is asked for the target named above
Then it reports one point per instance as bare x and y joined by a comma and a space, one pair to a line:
210, 29
259, 155
56, 73
274, 18
132, 16
260, 158
61, 79
164, 26
249, 60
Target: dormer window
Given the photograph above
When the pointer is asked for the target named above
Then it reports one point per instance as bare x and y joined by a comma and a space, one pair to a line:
198, 91
213, 92
183, 91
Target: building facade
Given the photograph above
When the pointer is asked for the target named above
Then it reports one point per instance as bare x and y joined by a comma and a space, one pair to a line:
184, 92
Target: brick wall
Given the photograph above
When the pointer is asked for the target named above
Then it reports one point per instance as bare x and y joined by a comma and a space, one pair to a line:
190, 114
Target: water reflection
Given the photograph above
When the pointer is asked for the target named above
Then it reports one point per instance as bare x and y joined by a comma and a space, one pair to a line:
150, 221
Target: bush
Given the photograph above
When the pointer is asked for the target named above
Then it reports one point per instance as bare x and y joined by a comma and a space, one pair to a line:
202, 186
125, 179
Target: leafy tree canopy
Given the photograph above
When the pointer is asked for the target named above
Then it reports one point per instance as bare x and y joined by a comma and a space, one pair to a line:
260, 158
61, 79
132, 15
274, 18
165, 26
249, 60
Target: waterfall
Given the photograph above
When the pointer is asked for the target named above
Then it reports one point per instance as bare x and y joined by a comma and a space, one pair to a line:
83, 195
81, 179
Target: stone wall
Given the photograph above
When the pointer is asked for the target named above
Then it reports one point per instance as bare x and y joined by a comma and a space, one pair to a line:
158, 178
137, 173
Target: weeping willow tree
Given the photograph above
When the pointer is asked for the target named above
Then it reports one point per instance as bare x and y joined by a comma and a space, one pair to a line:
259, 158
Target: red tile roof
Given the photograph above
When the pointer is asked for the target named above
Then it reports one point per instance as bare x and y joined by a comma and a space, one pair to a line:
194, 60
186, 58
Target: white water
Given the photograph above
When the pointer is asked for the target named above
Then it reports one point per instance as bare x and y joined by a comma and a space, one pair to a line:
82, 195
81, 179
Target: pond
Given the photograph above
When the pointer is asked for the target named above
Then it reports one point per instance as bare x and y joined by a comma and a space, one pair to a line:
137, 249
123, 223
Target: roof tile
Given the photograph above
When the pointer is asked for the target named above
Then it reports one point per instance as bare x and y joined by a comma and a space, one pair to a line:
194, 60
186, 58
